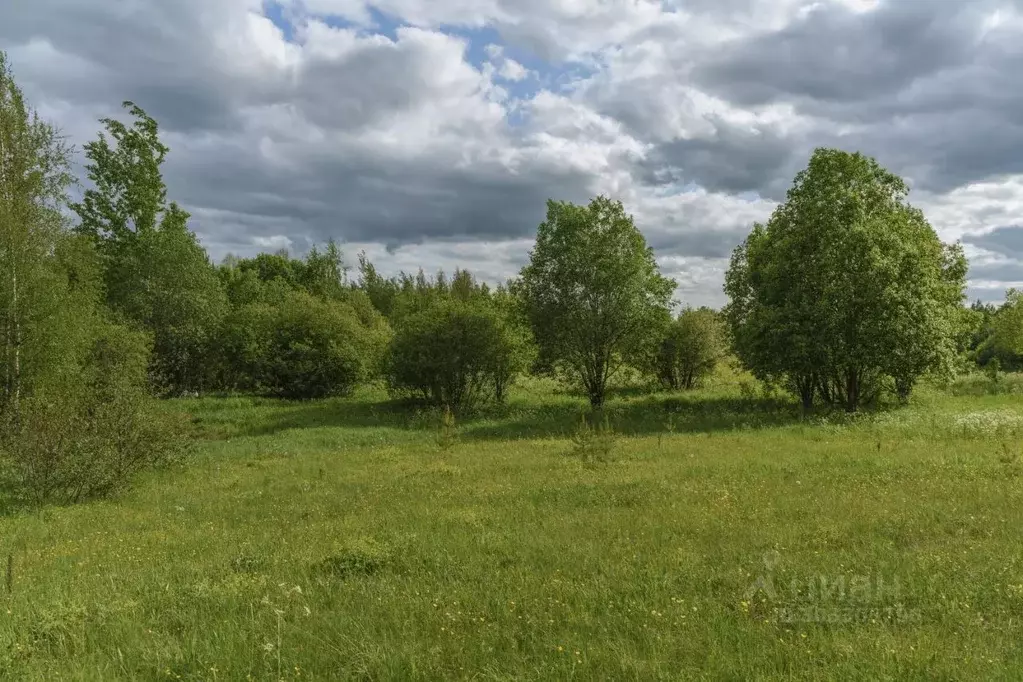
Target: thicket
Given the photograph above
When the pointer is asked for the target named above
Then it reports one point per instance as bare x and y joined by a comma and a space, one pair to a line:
76, 415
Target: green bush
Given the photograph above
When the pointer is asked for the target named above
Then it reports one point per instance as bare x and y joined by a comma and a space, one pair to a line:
297, 346
692, 345
92, 436
456, 353
988, 383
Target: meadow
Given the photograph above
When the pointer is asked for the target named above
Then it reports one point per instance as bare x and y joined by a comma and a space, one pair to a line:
718, 534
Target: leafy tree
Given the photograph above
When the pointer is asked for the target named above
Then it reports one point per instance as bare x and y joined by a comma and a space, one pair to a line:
322, 274
34, 179
516, 351
846, 286
100, 430
691, 347
78, 419
592, 290
1007, 323
382, 291
183, 304
157, 275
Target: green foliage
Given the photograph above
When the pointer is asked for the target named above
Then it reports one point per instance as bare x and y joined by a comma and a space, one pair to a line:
128, 194
297, 329
447, 433
35, 292
691, 347
295, 345
157, 276
77, 418
382, 292
457, 353
846, 287
94, 437
592, 291
182, 303
321, 273
594, 438
990, 381
1007, 325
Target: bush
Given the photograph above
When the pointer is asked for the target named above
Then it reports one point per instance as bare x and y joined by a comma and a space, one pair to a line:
297, 346
93, 435
692, 345
456, 353
977, 384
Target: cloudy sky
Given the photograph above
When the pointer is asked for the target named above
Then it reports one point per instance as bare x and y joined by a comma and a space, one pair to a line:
431, 132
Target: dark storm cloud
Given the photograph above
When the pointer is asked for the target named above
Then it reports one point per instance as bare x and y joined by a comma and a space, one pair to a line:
834, 53
153, 53
997, 272
1007, 241
733, 160
361, 198
929, 87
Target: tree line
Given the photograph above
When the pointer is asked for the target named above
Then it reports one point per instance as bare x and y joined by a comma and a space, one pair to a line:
845, 295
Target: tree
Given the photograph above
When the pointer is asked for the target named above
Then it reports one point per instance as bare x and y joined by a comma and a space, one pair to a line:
183, 306
691, 347
1007, 325
846, 286
157, 275
126, 200
381, 291
78, 420
34, 179
592, 290
516, 350
324, 273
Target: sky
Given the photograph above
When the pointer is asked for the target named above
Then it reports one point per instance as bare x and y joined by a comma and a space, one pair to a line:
430, 133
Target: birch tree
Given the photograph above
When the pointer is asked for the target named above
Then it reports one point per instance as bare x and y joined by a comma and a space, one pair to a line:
34, 179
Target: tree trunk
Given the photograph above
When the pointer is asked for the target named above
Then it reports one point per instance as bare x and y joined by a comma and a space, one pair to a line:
903, 387
806, 389
14, 341
596, 391
806, 396
852, 390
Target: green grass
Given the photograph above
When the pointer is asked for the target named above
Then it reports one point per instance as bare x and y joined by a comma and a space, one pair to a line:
342, 540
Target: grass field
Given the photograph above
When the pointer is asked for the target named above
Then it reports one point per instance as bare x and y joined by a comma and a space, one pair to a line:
726, 538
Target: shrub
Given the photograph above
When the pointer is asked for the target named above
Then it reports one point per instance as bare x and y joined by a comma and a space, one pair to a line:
977, 384
594, 438
92, 436
301, 347
455, 353
692, 345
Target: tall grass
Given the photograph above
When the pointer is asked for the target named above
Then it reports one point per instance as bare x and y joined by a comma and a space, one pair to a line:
336, 540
